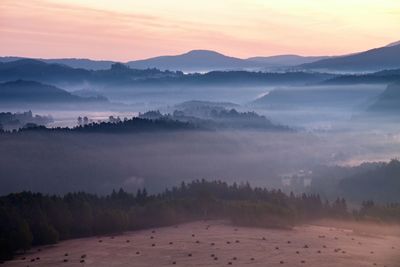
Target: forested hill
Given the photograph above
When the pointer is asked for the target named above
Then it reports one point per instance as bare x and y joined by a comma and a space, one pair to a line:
381, 184
120, 126
388, 102
22, 91
122, 75
28, 219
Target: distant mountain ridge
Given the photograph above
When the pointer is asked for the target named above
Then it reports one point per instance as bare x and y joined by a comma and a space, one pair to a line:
195, 60
36, 70
58, 74
201, 60
393, 44
78, 63
286, 60
377, 59
192, 61
120, 75
206, 60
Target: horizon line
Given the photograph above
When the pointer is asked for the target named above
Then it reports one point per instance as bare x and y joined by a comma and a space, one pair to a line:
191, 50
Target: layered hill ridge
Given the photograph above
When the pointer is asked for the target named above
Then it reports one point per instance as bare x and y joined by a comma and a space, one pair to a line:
194, 60
388, 100
387, 57
31, 91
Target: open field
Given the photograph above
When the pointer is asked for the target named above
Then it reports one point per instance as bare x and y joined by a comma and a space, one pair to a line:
220, 244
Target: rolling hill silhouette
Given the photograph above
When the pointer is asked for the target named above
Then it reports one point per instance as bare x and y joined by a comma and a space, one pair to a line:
122, 75
195, 60
393, 44
31, 69
31, 91
377, 59
207, 60
388, 100
78, 63
285, 60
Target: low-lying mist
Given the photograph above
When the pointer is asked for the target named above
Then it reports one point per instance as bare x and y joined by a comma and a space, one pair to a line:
59, 162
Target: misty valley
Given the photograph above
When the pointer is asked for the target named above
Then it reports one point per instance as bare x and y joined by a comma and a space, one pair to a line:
287, 147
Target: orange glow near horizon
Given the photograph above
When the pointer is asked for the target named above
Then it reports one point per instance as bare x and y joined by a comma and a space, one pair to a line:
125, 30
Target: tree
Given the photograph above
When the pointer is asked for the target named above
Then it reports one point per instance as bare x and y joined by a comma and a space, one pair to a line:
14, 233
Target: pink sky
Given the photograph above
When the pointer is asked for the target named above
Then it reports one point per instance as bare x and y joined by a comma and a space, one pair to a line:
132, 29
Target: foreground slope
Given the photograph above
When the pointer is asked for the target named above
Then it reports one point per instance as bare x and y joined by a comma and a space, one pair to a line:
219, 244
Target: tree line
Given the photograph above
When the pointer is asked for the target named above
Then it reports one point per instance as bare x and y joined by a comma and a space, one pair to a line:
119, 126
29, 219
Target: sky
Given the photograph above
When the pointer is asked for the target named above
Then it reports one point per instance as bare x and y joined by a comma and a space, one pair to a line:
126, 30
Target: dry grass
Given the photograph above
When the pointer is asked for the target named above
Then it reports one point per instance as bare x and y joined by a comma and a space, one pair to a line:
310, 245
